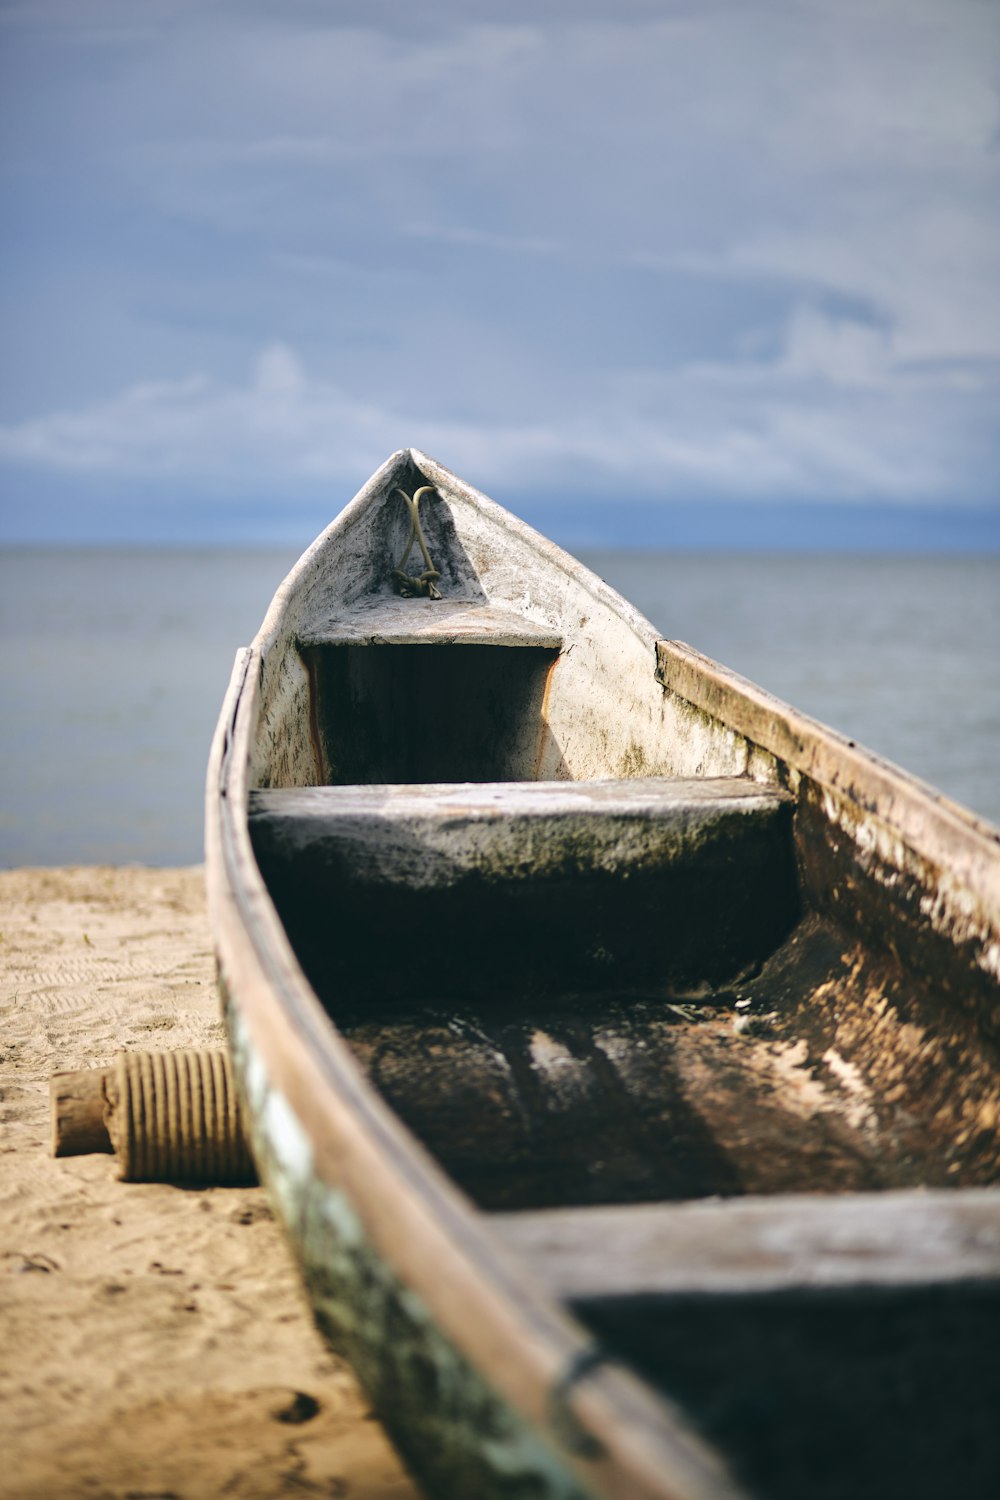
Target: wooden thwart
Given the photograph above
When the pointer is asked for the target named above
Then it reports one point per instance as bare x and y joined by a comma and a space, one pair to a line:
429, 622
745, 1246
671, 881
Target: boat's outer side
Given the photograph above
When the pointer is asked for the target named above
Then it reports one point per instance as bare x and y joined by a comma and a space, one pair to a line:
487, 1388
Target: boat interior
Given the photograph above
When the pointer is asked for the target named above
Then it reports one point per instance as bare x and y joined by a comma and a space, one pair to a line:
722, 1120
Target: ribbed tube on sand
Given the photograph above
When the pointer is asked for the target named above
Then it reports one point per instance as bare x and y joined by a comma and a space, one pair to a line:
174, 1117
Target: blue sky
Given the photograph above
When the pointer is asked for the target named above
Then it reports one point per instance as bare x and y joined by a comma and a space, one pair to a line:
632, 266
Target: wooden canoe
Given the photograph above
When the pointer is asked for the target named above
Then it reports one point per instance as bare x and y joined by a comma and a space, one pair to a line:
620, 1047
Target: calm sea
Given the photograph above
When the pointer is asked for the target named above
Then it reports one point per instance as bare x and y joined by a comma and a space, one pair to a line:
113, 665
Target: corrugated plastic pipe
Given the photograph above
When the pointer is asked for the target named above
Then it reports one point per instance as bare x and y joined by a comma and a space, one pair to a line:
168, 1116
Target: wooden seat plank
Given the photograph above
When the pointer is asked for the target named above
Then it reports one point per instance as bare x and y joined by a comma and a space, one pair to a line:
760, 1245
390, 621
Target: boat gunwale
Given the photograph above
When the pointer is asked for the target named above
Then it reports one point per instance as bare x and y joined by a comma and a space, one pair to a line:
805, 743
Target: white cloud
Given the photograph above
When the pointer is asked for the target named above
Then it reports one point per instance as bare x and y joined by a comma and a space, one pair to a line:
694, 431
277, 425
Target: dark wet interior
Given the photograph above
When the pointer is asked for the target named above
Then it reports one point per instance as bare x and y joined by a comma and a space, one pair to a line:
676, 1034
621, 1096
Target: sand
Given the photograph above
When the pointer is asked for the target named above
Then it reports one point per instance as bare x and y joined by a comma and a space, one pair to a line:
155, 1342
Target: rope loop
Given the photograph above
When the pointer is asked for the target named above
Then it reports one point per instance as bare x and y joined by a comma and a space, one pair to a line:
422, 585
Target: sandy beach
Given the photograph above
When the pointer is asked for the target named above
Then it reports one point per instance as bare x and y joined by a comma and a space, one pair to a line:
155, 1344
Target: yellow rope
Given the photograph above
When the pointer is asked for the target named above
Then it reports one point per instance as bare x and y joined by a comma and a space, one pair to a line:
423, 585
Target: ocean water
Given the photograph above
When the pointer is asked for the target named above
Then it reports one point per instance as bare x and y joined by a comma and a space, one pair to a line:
113, 664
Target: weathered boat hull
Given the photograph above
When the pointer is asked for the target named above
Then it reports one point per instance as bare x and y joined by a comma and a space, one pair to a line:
804, 947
